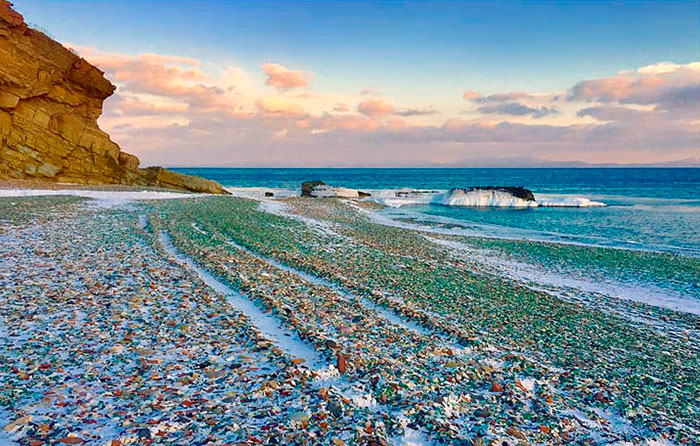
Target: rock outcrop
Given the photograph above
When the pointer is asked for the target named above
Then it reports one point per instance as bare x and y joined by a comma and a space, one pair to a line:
319, 189
50, 100
517, 192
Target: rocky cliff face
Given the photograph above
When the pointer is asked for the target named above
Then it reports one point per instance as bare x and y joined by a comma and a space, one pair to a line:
50, 100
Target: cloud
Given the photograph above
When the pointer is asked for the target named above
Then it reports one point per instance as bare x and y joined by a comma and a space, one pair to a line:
380, 107
416, 112
375, 107
516, 109
668, 67
502, 97
471, 95
611, 113
367, 92
278, 106
281, 77
149, 73
120, 105
667, 85
170, 109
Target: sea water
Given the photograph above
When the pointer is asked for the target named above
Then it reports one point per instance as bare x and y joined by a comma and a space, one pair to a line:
647, 208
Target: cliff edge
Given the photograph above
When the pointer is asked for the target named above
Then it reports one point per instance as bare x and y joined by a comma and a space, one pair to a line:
50, 100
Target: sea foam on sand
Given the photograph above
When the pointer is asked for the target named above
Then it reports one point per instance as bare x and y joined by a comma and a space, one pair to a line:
103, 197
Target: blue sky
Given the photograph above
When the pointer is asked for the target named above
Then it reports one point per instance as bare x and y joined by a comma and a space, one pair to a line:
419, 58
488, 45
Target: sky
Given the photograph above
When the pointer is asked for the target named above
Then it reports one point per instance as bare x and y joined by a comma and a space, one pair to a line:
312, 83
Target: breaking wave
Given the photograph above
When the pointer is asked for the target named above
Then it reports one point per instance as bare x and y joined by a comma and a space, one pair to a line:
478, 198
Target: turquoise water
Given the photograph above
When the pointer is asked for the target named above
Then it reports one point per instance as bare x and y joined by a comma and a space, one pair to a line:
648, 208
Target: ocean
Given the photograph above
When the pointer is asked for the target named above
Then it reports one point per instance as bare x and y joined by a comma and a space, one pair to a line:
655, 209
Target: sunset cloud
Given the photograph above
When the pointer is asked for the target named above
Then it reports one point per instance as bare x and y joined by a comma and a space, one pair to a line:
149, 73
668, 85
171, 108
416, 112
121, 105
278, 106
516, 109
375, 107
368, 92
470, 95
281, 77
503, 97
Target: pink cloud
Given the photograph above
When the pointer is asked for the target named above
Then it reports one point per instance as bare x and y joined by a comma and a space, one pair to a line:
470, 95
281, 77
168, 109
620, 89
278, 106
503, 97
416, 112
375, 107
120, 105
367, 92
669, 86
150, 73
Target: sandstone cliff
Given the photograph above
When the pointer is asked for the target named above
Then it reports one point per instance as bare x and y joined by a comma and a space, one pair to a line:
50, 100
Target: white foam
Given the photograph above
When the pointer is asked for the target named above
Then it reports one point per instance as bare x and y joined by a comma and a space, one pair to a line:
410, 436
551, 200
258, 193
528, 274
382, 312
482, 198
326, 191
476, 198
406, 196
268, 325
7, 432
102, 197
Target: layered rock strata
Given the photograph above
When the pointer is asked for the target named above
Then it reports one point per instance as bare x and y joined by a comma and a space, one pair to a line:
50, 99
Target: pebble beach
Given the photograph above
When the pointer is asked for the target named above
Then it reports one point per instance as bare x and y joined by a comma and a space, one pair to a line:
231, 321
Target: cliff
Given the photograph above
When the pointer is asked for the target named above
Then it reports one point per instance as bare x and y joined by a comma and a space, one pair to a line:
50, 100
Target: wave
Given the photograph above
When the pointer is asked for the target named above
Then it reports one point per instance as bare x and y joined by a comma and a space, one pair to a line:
456, 197
544, 200
478, 198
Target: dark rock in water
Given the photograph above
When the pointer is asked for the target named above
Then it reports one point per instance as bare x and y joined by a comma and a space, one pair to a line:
411, 193
308, 186
319, 189
518, 192
269, 194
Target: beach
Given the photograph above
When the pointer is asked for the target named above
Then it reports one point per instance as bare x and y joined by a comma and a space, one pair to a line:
349, 223
144, 318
